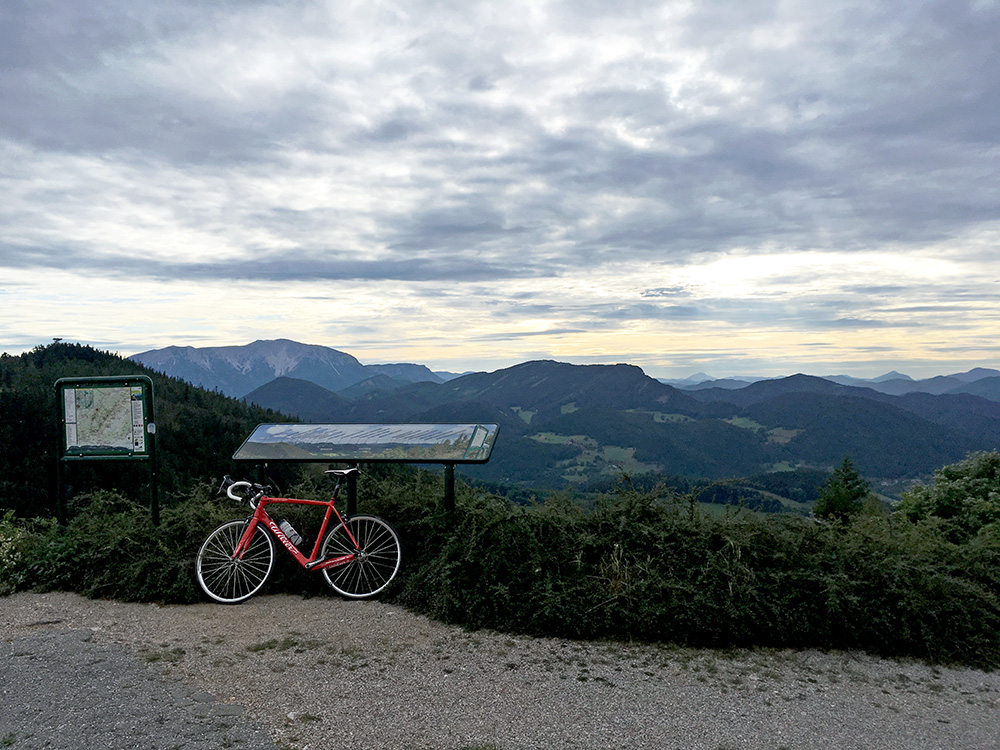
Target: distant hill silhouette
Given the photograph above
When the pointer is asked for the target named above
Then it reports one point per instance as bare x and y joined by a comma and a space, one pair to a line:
988, 387
301, 398
976, 381
764, 390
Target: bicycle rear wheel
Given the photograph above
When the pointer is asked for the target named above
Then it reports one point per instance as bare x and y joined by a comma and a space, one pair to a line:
376, 559
226, 579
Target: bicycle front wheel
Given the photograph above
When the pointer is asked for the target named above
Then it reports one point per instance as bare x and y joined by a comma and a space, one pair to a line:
229, 580
376, 559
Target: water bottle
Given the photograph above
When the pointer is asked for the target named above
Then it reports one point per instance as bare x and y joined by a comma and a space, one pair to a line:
290, 532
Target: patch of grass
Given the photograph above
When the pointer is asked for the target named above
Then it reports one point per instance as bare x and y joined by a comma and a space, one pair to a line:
525, 414
274, 644
746, 424
169, 656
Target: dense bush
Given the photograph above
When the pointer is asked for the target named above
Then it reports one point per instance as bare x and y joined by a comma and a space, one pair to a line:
966, 495
110, 548
640, 565
644, 567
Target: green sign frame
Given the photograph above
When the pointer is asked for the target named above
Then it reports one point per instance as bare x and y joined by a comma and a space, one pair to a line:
106, 418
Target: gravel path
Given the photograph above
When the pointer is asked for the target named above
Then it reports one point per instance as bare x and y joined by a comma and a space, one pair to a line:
324, 673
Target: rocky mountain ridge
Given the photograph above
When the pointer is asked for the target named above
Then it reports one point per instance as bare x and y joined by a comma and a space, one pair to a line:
238, 370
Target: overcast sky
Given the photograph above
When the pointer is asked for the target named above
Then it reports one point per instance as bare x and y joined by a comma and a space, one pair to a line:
730, 187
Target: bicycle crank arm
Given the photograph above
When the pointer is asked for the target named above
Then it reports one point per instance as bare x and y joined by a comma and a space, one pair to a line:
331, 563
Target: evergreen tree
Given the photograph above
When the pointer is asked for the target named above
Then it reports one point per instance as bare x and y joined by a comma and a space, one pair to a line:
844, 493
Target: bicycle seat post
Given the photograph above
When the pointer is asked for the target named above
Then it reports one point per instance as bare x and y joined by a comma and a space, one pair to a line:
350, 476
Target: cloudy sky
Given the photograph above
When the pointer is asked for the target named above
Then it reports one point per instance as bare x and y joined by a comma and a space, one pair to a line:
720, 186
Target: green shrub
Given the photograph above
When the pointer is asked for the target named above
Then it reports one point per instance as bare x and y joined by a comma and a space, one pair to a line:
110, 548
965, 494
844, 494
12, 542
646, 567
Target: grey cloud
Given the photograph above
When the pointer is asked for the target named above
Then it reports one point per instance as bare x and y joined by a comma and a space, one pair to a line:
964, 352
646, 311
876, 289
295, 267
400, 127
300, 265
515, 335
929, 309
480, 83
886, 136
855, 323
72, 82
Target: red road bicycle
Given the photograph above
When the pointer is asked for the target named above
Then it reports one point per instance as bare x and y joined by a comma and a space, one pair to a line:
358, 558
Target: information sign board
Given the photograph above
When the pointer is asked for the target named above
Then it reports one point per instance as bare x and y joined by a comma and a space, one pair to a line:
105, 419
403, 443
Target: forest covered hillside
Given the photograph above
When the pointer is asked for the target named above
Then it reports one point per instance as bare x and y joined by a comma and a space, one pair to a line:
577, 425
197, 430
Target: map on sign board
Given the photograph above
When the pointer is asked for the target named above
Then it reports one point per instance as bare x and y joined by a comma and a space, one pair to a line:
434, 443
104, 420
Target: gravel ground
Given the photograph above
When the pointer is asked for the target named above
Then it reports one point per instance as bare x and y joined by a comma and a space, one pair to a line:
324, 672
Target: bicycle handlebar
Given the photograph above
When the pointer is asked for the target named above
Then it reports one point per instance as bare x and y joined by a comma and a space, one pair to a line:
234, 486
254, 491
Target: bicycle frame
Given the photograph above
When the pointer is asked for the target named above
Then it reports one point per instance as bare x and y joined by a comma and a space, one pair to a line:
260, 516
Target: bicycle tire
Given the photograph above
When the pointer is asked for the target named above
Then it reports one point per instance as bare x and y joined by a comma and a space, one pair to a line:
377, 561
231, 581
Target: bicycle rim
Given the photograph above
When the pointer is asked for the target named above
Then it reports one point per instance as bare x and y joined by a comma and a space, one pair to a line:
376, 562
228, 580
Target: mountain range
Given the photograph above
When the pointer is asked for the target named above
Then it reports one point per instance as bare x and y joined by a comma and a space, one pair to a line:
237, 370
564, 424
979, 381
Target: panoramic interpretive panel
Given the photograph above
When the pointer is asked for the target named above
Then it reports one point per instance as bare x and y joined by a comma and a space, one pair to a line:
411, 443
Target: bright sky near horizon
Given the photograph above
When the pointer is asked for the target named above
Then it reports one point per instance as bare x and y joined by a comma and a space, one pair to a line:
723, 186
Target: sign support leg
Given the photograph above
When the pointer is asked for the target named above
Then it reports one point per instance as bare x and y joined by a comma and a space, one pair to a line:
60, 491
352, 492
449, 488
